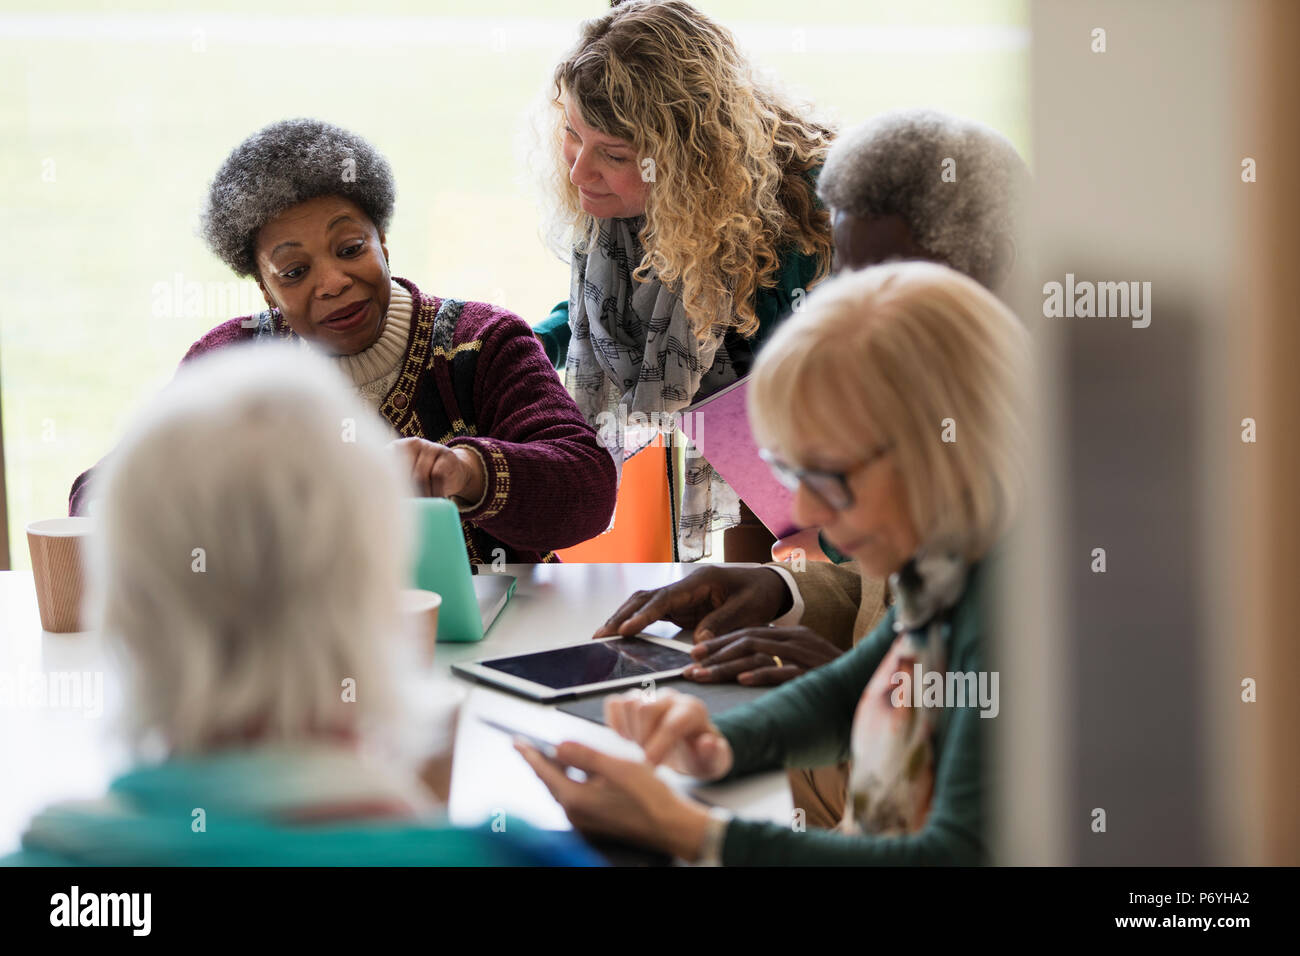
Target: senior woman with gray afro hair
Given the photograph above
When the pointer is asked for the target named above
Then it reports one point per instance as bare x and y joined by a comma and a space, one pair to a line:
303, 207
920, 184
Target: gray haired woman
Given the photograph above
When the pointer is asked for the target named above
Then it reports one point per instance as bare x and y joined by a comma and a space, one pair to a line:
248, 594
303, 207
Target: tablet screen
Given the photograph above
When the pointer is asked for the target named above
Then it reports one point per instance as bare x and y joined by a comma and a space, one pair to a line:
592, 663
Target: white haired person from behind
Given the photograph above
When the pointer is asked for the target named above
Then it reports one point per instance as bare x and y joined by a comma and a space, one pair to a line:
247, 565
920, 184
854, 404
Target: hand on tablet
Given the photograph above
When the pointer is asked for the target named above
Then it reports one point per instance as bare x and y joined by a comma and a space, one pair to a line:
673, 729
760, 656
711, 601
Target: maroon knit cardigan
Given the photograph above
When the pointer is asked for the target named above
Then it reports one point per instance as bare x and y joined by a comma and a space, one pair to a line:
474, 374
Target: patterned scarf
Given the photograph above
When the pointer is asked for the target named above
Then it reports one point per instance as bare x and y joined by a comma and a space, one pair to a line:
892, 778
633, 347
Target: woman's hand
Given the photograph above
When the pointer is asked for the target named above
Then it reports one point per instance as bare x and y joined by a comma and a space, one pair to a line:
673, 728
749, 656
711, 600
622, 799
442, 472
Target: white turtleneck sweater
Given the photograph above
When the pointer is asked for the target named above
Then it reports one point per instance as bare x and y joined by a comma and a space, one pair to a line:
374, 370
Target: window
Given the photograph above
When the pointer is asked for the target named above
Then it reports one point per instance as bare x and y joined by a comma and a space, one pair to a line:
113, 123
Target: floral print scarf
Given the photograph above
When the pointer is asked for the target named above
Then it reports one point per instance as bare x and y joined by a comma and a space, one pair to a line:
891, 781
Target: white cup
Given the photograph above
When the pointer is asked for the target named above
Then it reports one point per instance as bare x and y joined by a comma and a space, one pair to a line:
420, 615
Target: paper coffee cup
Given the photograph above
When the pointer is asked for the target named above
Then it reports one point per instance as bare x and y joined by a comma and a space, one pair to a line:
56, 548
420, 609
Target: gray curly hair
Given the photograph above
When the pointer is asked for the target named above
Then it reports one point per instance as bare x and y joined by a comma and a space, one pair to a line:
893, 164
282, 165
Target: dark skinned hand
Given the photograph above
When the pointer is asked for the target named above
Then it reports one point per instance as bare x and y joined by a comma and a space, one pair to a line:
747, 656
711, 600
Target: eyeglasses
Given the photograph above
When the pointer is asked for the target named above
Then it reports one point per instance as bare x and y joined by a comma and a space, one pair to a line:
832, 487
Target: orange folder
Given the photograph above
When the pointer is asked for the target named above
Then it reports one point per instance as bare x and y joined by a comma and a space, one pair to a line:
642, 529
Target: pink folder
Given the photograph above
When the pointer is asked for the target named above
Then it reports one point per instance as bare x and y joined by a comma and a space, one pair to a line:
718, 426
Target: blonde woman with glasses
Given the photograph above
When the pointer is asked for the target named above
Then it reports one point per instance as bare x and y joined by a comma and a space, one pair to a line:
896, 409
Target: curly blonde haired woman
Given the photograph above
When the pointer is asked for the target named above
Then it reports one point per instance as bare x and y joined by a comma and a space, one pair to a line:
685, 192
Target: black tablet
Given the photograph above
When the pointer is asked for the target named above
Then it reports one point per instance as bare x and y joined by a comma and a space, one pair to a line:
588, 668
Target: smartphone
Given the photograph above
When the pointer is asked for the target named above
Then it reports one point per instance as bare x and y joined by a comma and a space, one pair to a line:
544, 747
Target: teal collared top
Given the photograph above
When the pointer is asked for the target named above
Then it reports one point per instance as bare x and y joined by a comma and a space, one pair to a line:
225, 809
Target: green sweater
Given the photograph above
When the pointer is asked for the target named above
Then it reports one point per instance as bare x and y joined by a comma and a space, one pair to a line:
807, 722
771, 305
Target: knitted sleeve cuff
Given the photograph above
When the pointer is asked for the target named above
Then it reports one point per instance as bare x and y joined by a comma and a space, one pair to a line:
462, 505
496, 483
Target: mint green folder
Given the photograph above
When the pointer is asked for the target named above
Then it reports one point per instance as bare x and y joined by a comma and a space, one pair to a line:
442, 565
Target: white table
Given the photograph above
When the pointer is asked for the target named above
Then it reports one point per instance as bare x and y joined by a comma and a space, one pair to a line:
64, 750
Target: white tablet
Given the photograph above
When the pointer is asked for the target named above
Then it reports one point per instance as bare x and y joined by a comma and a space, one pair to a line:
587, 668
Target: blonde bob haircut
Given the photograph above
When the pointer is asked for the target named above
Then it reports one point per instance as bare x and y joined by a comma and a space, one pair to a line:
249, 554
918, 356
733, 157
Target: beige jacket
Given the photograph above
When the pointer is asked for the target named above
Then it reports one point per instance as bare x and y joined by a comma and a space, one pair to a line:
839, 603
